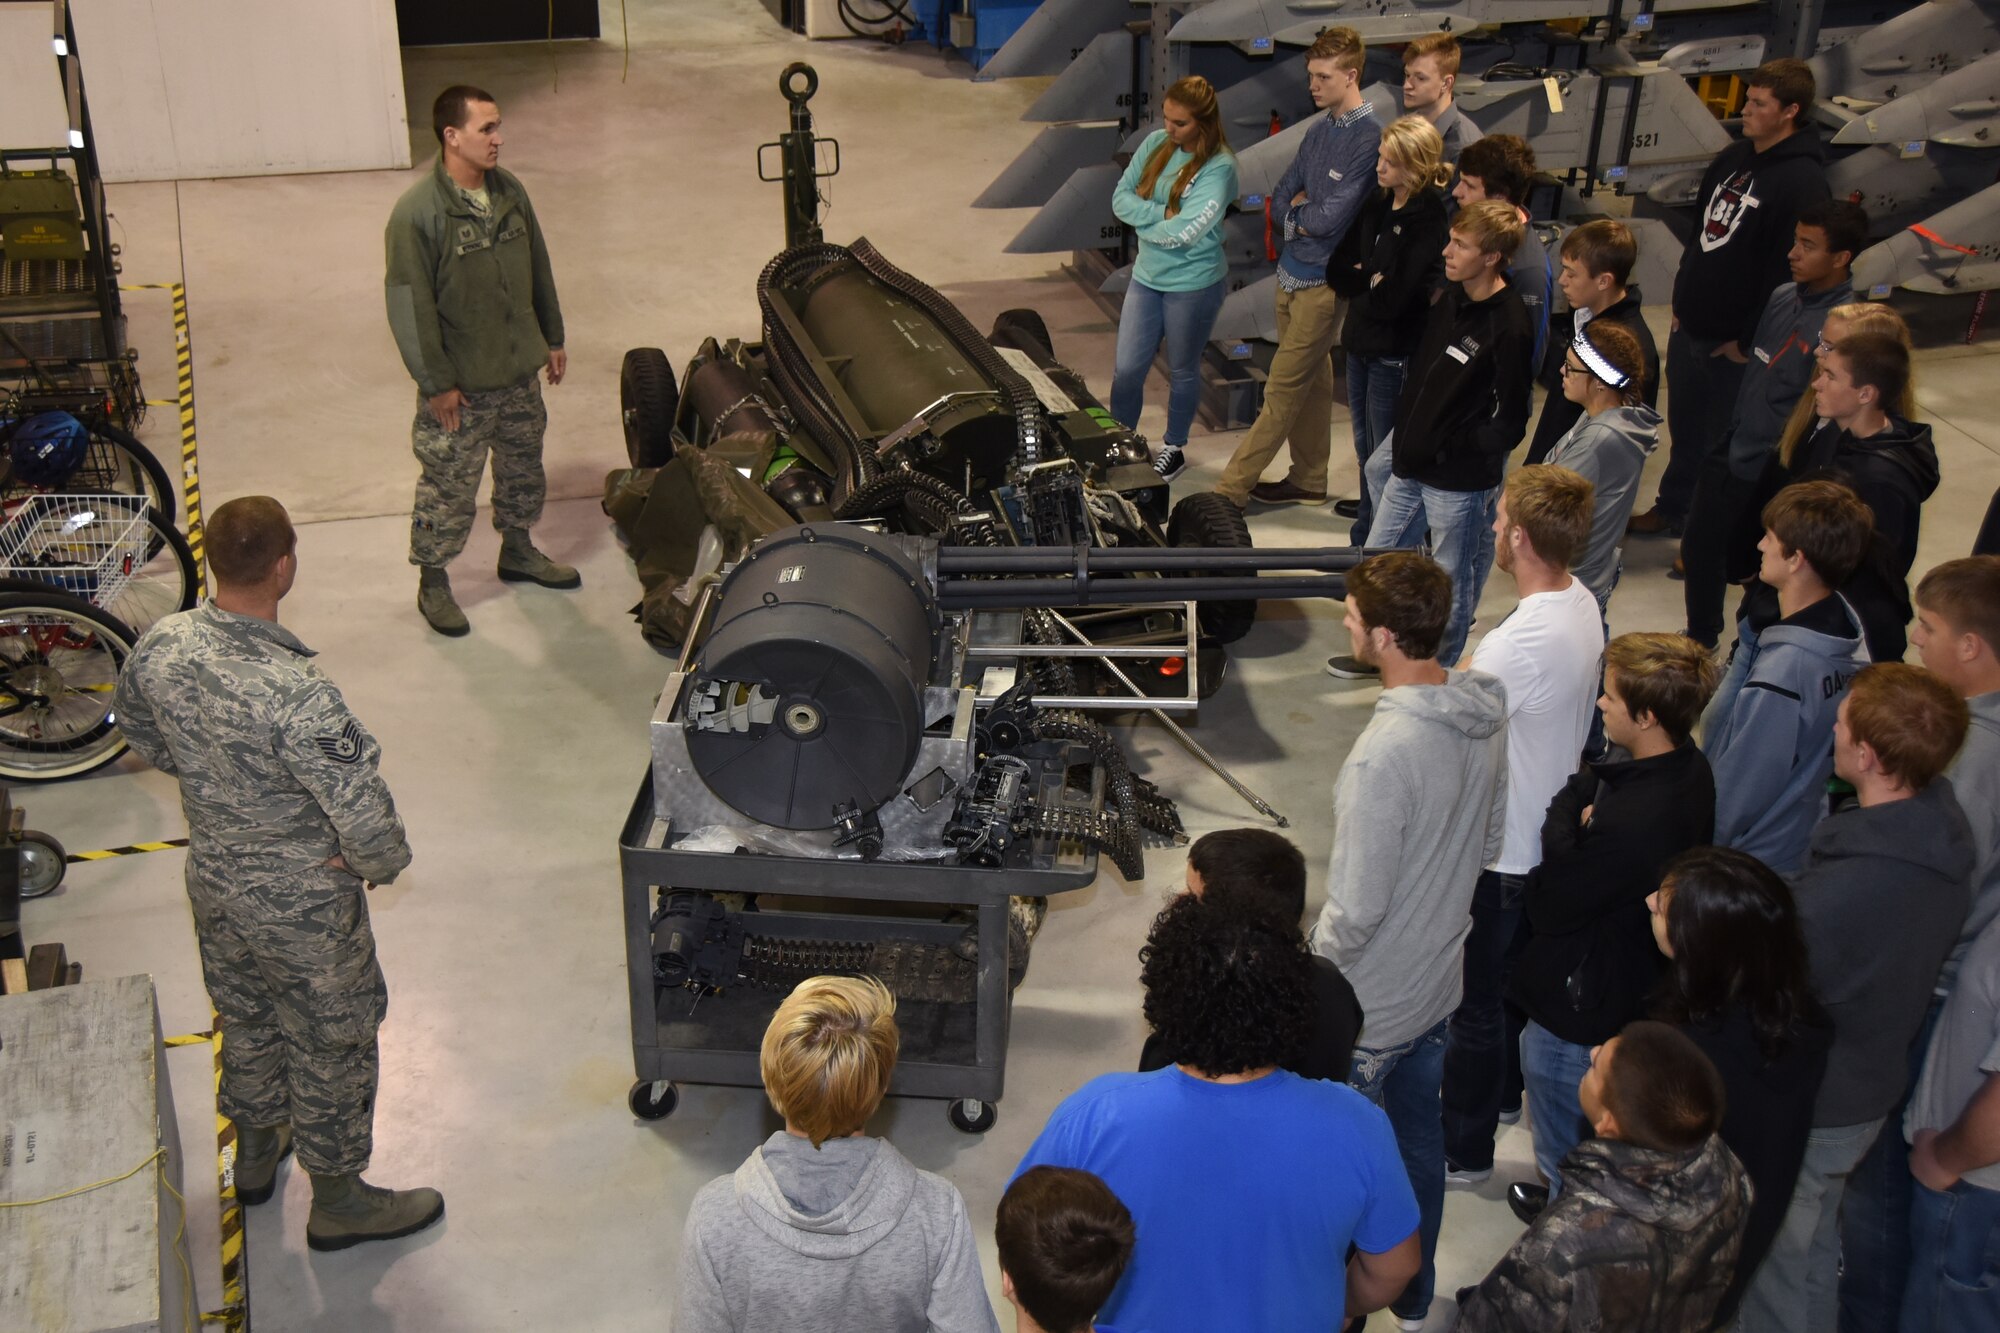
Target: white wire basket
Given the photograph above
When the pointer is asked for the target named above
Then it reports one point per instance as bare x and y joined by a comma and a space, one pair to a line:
86, 545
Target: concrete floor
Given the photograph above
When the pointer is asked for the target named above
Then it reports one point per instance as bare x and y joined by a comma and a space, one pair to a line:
514, 753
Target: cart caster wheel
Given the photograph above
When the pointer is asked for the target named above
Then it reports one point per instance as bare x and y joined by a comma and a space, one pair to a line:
43, 862
969, 1115
654, 1101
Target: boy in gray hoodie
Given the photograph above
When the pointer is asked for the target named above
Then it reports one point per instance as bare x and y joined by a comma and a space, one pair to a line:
1769, 731
823, 1228
1419, 807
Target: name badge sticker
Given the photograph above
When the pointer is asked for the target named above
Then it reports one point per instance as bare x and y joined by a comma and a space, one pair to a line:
1458, 356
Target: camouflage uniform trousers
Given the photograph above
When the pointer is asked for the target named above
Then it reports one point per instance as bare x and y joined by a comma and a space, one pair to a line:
509, 423
290, 967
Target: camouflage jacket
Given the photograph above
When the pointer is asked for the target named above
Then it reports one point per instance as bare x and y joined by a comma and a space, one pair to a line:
276, 774
1638, 1241
472, 300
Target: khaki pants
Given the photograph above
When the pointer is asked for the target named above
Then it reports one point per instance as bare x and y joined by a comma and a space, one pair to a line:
1298, 398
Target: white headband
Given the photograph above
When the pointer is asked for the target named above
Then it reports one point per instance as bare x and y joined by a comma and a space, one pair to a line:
1595, 362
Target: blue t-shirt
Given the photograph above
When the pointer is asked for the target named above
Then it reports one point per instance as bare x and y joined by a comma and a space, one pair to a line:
1245, 1195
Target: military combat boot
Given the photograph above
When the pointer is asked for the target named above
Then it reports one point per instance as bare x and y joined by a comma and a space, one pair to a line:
347, 1210
438, 606
258, 1152
520, 562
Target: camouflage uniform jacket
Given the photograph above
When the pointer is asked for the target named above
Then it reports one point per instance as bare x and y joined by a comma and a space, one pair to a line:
472, 299
1639, 1241
276, 774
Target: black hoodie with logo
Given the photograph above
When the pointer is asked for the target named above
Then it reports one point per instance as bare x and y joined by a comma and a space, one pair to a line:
1467, 393
1736, 258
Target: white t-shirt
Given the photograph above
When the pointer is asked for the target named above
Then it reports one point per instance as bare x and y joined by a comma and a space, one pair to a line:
1546, 654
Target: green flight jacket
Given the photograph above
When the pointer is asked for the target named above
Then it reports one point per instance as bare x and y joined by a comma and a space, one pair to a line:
472, 303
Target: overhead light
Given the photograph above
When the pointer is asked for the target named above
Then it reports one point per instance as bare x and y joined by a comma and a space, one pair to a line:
76, 138
62, 47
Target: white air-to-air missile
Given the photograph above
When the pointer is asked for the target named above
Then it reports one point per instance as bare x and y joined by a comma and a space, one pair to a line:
1957, 250
1297, 22
1916, 47
1055, 34
1961, 109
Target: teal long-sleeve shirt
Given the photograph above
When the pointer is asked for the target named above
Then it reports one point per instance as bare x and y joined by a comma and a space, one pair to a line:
1182, 253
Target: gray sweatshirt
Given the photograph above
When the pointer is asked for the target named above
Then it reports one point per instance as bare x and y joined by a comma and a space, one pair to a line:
845, 1238
1975, 776
1609, 451
1419, 806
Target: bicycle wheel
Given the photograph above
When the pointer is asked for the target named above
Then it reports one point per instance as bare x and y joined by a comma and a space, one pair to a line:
117, 463
164, 584
59, 661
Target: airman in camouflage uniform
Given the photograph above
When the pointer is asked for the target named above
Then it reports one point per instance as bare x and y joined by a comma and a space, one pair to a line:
472, 302
288, 818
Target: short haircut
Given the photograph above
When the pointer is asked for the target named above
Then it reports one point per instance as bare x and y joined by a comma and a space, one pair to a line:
245, 538
1911, 719
828, 1054
1340, 45
1064, 1238
1226, 992
1844, 222
1826, 522
1967, 594
1440, 46
1790, 81
1603, 245
1253, 870
1877, 361
1666, 1094
1620, 346
1552, 506
454, 107
1493, 225
1668, 675
1406, 593
1503, 163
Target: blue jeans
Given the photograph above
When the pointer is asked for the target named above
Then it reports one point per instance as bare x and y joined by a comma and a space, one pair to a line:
1797, 1288
1955, 1261
1483, 1054
1456, 520
1374, 383
1550, 1069
1875, 1215
1403, 1080
1185, 319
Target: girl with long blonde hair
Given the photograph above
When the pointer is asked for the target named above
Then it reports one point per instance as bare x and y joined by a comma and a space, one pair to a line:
1173, 194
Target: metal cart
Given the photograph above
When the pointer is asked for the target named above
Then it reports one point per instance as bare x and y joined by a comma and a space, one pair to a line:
955, 1051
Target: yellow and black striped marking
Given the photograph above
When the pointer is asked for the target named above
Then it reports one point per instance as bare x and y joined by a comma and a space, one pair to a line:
134, 849
234, 1315
184, 382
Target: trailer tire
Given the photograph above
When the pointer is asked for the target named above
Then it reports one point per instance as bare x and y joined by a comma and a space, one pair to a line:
648, 400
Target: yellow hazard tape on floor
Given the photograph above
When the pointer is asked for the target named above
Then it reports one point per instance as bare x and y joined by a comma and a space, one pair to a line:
184, 382
134, 849
234, 1313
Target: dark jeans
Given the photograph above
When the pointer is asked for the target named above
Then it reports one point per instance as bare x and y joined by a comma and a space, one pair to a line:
1403, 1081
1373, 385
1701, 399
1482, 1057
1713, 522
1875, 1215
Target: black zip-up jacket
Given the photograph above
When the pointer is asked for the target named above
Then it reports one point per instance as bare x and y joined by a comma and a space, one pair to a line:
1736, 259
1591, 963
1467, 393
1405, 246
1894, 472
1558, 412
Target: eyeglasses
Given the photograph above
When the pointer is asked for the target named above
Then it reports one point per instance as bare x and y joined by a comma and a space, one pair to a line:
1823, 348
1569, 370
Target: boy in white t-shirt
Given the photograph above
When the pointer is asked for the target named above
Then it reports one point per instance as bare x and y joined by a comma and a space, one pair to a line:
1545, 655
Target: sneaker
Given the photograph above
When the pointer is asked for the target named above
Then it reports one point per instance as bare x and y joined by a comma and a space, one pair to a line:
1510, 1115
1465, 1177
1284, 493
1409, 1324
1170, 462
1352, 668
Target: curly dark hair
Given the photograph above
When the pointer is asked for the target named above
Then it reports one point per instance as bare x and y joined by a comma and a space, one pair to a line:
1227, 992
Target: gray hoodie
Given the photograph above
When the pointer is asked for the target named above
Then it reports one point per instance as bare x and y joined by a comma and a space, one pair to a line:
848, 1236
1975, 776
1609, 451
1419, 806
